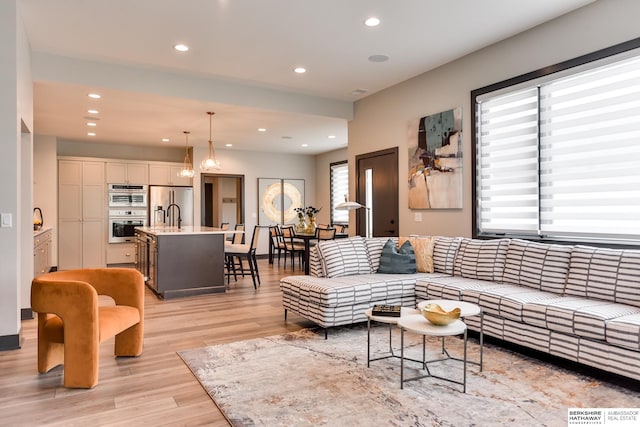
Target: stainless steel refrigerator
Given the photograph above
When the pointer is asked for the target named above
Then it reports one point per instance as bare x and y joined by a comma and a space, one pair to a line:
161, 211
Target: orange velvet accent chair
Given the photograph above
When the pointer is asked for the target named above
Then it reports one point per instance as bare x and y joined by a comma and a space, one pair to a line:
72, 323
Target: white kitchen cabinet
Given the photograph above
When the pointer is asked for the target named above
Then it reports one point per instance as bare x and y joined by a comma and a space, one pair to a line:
127, 173
121, 253
42, 252
81, 214
167, 174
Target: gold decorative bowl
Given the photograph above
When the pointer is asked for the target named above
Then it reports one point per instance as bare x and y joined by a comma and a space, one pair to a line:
437, 316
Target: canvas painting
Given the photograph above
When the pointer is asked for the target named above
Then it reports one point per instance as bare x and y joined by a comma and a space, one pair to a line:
435, 161
278, 200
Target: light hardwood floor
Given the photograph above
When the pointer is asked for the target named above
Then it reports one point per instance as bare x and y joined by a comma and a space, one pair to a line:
156, 388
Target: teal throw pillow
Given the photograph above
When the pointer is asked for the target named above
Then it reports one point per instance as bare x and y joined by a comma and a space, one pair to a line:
397, 261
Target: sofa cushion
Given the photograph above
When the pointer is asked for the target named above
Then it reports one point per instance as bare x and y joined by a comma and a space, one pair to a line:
605, 274
624, 331
374, 249
444, 254
481, 259
537, 265
423, 247
344, 257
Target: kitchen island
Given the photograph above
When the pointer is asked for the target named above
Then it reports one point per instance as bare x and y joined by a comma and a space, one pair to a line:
182, 261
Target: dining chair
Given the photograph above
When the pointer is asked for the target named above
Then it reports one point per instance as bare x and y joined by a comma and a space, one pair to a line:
291, 246
276, 242
328, 233
238, 251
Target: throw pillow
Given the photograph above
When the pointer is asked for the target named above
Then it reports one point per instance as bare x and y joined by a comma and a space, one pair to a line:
423, 247
397, 261
344, 257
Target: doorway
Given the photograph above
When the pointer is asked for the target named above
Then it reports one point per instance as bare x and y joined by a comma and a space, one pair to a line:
222, 200
377, 190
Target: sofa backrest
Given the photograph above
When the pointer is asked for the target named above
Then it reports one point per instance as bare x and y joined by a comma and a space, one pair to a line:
481, 259
343, 257
606, 274
374, 249
539, 266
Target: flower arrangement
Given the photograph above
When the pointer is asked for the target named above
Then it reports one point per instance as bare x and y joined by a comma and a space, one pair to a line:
309, 211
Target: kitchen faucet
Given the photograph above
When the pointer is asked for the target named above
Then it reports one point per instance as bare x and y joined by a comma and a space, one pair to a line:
179, 217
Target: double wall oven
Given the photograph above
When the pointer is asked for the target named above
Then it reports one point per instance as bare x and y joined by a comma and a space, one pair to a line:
127, 210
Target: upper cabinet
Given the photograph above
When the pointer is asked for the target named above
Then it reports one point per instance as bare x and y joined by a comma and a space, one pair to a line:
167, 174
127, 173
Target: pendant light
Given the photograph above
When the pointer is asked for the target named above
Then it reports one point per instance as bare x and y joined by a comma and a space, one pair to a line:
210, 163
187, 168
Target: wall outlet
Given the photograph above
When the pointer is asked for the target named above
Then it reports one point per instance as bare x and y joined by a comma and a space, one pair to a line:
417, 216
6, 220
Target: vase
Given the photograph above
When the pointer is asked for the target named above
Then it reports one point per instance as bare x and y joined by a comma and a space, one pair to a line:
311, 225
301, 226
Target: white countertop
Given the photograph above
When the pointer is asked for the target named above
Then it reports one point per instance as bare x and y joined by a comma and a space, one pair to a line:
187, 229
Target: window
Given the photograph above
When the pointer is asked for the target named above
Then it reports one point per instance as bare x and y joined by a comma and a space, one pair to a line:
558, 156
339, 191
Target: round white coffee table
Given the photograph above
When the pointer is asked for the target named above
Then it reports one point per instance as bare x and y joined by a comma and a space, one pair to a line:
391, 321
417, 323
467, 309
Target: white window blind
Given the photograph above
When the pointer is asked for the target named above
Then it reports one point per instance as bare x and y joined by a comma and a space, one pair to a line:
339, 190
590, 153
562, 158
507, 181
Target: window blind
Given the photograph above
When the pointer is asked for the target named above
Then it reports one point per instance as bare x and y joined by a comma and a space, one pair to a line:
590, 153
339, 190
507, 163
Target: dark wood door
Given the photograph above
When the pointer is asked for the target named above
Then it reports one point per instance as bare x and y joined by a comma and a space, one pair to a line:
377, 188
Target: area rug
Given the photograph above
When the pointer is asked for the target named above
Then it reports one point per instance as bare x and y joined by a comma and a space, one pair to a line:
301, 379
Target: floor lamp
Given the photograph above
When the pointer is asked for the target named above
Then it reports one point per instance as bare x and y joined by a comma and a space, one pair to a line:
350, 206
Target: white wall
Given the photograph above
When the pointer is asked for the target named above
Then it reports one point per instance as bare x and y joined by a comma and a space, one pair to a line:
45, 185
254, 165
381, 120
16, 120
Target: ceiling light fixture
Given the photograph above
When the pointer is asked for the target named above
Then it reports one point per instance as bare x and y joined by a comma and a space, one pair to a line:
187, 168
93, 111
94, 96
91, 124
228, 145
91, 133
372, 22
262, 130
181, 47
210, 162
331, 137
299, 70
165, 139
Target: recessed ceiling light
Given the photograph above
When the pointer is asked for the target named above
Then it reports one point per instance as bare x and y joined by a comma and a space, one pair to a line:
299, 70
181, 47
332, 137
378, 58
359, 92
91, 133
93, 111
286, 137
262, 130
91, 124
304, 145
372, 22
165, 139
94, 96
228, 145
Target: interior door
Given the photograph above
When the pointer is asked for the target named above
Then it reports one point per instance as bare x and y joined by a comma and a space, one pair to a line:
377, 189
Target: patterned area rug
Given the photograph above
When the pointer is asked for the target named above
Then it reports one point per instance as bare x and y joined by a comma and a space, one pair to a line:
301, 379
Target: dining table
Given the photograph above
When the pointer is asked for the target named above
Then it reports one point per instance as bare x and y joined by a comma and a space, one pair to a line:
307, 238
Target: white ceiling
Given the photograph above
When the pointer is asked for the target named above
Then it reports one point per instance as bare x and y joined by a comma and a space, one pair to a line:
240, 47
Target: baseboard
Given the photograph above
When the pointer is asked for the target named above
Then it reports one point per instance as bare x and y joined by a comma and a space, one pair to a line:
10, 342
26, 314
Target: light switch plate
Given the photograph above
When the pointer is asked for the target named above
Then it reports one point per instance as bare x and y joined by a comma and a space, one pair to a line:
6, 220
417, 216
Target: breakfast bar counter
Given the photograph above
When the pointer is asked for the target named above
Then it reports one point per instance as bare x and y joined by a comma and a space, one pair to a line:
182, 261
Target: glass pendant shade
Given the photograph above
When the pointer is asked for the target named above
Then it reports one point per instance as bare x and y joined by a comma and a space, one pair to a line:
210, 163
187, 168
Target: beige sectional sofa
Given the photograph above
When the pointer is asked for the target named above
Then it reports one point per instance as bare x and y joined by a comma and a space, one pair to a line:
577, 302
